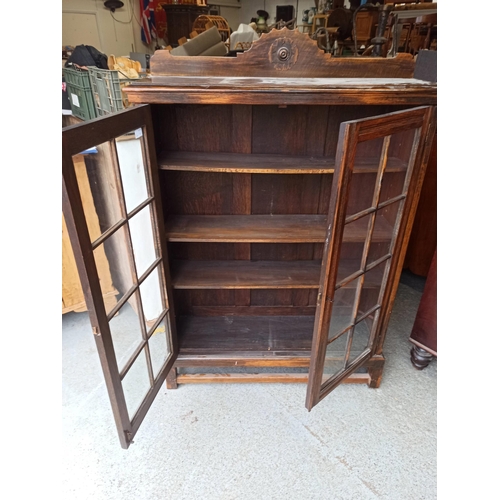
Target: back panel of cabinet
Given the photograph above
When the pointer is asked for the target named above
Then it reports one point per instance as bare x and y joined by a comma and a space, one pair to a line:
274, 163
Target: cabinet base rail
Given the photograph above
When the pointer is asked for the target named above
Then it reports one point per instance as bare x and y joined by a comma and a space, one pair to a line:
233, 378
372, 377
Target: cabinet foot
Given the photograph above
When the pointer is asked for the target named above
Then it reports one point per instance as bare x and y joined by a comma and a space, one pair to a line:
172, 379
375, 370
420, 358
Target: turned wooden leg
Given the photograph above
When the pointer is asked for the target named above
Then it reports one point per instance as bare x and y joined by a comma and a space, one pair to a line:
172, 379
420, 358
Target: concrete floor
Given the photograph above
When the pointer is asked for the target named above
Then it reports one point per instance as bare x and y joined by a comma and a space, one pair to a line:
218, 442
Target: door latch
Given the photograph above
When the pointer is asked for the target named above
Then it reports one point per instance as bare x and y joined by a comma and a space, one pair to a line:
320, 295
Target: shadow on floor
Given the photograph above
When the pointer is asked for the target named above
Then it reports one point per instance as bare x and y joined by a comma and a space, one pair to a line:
413, 280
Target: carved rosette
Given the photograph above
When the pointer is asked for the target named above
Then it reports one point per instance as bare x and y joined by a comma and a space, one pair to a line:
283, 53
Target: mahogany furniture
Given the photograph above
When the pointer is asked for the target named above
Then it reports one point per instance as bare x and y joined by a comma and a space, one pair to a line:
180, 19
424, 332
423, 239
256, 214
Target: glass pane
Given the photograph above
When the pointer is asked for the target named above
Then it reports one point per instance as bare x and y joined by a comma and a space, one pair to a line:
342, 310
350, 259
370, 292
368, 155
356, 231
114, 267
136, 384
364, 187
152, 303
400, 148
351, 249
363, 181
334, 358
392, 186
126, 331
129, 149
384, 231
99, 188
360, 338
141, 234
159, 346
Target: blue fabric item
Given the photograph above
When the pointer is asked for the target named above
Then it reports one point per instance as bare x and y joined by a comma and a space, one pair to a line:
90, 151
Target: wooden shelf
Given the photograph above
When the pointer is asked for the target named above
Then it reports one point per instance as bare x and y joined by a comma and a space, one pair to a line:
264, 164
245, 274
247, 228
244, 333
245, 163
262, 229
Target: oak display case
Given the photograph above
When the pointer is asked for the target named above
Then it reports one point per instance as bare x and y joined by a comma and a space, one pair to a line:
268, 235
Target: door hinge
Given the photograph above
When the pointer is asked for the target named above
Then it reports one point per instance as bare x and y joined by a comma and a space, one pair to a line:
95, 331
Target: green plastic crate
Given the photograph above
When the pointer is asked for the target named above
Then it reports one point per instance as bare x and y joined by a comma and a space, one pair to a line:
107, 90
80, 94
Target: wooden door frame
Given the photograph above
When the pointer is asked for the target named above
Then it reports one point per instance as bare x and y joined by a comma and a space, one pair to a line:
351, 133
76, 139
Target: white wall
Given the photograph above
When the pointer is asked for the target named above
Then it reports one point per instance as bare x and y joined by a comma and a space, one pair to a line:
231, 15
88, 22
249, 8
229, 10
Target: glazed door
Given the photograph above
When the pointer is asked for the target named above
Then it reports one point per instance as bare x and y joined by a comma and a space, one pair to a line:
112, 210
374, 195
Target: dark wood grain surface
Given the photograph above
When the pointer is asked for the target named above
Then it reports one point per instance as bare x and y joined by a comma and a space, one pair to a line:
253, 163
251, 274
263, 228
283, 67
423, 239
285, 52
250, 228
265, 163
245, 333
344, 95
245, 274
